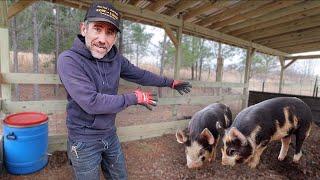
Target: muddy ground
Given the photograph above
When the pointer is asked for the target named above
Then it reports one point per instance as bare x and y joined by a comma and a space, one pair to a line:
163, 158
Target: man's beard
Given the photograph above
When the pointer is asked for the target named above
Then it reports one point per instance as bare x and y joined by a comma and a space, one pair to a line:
96, 54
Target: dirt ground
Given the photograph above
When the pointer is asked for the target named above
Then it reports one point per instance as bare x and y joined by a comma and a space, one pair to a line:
163, 158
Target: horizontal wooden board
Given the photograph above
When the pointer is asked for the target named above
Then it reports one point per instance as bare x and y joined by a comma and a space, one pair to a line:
51, 106
128, 133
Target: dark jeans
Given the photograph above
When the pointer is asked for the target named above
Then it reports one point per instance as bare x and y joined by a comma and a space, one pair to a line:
86, 158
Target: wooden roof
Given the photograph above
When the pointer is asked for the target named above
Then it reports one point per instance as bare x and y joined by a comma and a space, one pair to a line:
279, 27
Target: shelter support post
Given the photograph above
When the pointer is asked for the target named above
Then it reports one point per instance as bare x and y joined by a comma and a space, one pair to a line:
250, 54
219, 69
176, 39
283, 68
4, 48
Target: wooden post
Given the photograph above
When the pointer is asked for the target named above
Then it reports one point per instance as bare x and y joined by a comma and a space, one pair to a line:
250, 53
283, 67
219, 69
281, 73
178, 59
4, 48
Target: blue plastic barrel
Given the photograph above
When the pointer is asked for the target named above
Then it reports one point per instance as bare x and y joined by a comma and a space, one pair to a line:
25, 142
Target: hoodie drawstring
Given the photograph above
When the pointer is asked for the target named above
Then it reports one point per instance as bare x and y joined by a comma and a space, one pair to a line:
104, 80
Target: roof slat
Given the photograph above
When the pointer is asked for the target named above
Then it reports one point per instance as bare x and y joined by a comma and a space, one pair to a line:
205, 8
308, 22
262, 10
281, 13
181, 6
303, 48
264, 23
235, 10
307, 33
156, 6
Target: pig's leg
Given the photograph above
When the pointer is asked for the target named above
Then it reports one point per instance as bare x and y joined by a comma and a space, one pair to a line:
301, 135
214, 150
284, 147
256, 157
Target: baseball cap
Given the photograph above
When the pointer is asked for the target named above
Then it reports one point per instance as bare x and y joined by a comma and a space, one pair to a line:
103, 11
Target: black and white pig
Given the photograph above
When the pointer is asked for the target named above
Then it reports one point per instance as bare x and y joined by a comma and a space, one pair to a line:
256, 126
203, 132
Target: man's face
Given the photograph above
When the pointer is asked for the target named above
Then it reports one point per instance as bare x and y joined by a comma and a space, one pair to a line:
99, 37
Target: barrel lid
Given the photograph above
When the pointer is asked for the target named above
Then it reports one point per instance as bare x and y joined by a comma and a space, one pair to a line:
25, 119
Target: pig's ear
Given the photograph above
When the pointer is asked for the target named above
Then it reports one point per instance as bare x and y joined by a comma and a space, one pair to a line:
235, 133
181, 136
208, 136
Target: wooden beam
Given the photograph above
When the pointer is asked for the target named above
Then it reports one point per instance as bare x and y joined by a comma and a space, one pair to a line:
297, 35
303, 57
157, 19
127, 133
156, 6
52, 106
205, 8
308, 22
272, 22
181, 6
265, 9
281, 59
236, 10
18, 7
294, 12
250, 54
171, 35
3, 14
30, 78
303, 47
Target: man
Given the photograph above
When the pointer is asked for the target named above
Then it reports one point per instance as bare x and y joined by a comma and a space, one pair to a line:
90, 72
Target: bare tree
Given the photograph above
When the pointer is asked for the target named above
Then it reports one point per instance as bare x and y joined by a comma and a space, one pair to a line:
15, 53
57, 51
35, 6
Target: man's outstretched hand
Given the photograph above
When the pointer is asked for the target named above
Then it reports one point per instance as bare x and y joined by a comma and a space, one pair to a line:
181, 86
146, 99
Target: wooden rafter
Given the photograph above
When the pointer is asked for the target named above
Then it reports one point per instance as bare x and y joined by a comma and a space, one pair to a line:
303, 48
181, 6
18, 6
297, 35
205, 8
296, 42
235, 10
304, 23
262, 10
267, 21
156, 6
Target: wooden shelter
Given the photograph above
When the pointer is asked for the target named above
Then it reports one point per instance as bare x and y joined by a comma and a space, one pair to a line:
279, 28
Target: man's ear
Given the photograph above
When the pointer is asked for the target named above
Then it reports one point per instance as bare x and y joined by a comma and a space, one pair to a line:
208, 136
83, 29
235, 133
181, 136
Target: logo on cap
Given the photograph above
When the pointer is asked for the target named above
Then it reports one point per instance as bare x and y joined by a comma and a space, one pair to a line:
107, 12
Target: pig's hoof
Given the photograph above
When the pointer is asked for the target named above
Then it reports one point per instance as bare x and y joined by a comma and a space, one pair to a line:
297, 157
280, 158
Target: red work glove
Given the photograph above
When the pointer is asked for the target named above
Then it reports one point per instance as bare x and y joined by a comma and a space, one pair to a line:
181, 86
146, 99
